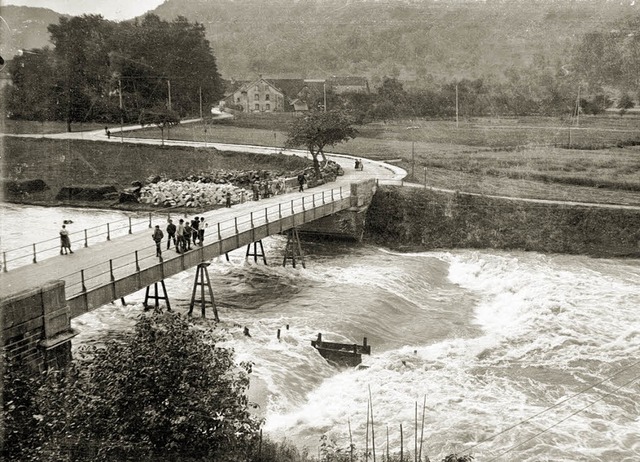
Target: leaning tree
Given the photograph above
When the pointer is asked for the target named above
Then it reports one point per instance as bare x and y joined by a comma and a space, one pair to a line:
318, 129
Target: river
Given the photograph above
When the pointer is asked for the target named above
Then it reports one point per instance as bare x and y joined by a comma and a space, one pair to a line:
548, 344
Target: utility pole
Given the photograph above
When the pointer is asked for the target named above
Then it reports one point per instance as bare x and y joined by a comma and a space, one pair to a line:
413, 158
121, 111
324, 90
456, 105
578, 108
200, 94
169, 89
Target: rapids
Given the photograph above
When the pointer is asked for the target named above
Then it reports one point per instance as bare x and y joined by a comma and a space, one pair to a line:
490, 338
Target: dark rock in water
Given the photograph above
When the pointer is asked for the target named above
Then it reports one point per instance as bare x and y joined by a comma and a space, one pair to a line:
25, 186
127, 197
85, 192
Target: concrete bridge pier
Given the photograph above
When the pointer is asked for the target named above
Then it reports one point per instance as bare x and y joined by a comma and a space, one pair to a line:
346, 224
36, 328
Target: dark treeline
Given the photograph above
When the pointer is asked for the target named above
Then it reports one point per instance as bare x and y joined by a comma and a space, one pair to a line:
103, 71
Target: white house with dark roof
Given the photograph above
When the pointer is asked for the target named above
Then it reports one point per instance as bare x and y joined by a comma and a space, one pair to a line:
259, 95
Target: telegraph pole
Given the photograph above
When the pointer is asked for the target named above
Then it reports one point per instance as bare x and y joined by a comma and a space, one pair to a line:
121, 111
456, 105
169, 89
200, 95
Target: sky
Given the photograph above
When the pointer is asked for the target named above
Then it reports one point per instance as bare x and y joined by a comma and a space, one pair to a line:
116, 10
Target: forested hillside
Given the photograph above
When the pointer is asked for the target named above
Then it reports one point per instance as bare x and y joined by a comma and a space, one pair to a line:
411, 40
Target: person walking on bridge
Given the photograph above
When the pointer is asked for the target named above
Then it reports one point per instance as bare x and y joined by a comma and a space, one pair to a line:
188, 233
171, 231
157, 237
65, 242
180, 246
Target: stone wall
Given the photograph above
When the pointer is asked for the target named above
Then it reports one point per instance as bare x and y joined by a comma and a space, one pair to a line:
36, 326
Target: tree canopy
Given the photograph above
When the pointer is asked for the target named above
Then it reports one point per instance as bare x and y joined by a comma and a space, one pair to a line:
166, 390
319, 129
100, 70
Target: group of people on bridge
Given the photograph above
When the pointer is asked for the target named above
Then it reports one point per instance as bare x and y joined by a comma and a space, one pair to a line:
182, 235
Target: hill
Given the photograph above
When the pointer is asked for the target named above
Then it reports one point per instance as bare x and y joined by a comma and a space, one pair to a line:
28, 28
413, 40
410, 40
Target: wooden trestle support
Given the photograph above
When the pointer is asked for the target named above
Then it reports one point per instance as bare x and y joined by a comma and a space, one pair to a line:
293, 248
156, 297
201, 275
256, 253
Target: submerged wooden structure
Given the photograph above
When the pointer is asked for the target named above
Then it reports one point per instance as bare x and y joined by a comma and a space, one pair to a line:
341, 354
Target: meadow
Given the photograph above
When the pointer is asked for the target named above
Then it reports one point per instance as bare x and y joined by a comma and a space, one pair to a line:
529, 157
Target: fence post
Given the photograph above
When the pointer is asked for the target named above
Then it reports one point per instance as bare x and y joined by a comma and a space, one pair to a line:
129, 225
111, 270
4, 262
84, 288
137, 262
251, 219
219, 234
86, 240
313, 200
292, 212
108, 233
332, 195
150, 220
303, 203
235, 221
322, 197
280, 210
35, 260
340, 192
266, 215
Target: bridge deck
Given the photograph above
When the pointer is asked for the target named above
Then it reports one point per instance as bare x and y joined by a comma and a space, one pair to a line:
112, 269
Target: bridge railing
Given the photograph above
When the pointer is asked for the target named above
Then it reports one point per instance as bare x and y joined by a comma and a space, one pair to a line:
38, 251
122, 265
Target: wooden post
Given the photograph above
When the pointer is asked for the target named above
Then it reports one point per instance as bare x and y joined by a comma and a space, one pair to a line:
150, 226
130, 225
111, 270
86, 240
84, 288
4, 262
108, 233
137, 262
35, 260
201, 275
401, 445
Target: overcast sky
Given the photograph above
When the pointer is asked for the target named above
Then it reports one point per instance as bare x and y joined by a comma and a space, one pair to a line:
110, 9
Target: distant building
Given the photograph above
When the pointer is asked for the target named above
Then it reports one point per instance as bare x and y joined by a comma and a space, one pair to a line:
259, 95
290, 94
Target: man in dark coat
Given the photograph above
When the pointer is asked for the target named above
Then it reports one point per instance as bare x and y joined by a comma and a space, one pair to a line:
171, 232
157, 237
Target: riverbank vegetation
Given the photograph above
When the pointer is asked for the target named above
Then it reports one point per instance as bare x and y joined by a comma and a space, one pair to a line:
416, 218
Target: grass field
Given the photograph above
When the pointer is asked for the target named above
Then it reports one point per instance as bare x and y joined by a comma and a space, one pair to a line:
513, 157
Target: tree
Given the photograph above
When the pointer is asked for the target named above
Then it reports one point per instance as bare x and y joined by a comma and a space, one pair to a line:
161, 118
318, 129
625, 103
166, 390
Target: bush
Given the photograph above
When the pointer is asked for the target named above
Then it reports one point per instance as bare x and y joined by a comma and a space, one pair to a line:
164, 392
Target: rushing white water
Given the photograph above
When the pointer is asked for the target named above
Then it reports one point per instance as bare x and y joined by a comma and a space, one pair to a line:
489, 338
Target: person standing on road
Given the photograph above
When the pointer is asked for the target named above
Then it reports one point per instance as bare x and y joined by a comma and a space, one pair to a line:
65, 242
228, 199
157, 237
171, 231
255, 187
301, 181
180, 247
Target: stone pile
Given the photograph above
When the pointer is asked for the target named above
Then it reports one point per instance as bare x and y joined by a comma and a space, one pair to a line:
176, 193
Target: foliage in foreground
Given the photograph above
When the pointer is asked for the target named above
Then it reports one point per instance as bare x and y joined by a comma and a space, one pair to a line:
165, 391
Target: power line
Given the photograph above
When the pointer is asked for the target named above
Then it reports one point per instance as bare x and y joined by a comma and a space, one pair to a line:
566, 418
581, 392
